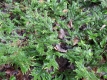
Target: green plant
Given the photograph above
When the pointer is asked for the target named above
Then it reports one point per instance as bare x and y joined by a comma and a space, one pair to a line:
53, 39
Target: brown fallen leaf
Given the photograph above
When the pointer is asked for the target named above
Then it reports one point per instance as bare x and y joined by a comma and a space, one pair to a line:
75, 41
8, 73
61, 34
64, 64
18, 74
70, 25
59, 48
94, 69
11, 70
102, 61
1, 68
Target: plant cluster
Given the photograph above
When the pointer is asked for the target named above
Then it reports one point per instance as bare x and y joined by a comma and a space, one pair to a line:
53, 39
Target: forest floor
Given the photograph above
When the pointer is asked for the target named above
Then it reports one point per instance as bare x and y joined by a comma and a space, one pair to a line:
53, 40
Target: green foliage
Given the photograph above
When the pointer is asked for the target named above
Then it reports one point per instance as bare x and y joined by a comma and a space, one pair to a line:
86, 74
27, 37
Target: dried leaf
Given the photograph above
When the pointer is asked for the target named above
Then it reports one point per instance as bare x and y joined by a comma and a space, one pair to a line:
94, 69
18, 74
64, 64
70, 25
1, 67
65, 10
8, 72
59, 48
102, 61
75, 41
8, 66
61, 34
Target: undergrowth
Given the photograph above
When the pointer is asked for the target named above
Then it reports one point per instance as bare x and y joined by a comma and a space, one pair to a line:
53, 39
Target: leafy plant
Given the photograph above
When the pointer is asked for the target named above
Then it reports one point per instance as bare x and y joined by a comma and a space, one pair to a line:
53, 39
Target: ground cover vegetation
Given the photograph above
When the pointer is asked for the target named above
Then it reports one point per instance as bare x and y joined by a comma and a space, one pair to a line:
53, 39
